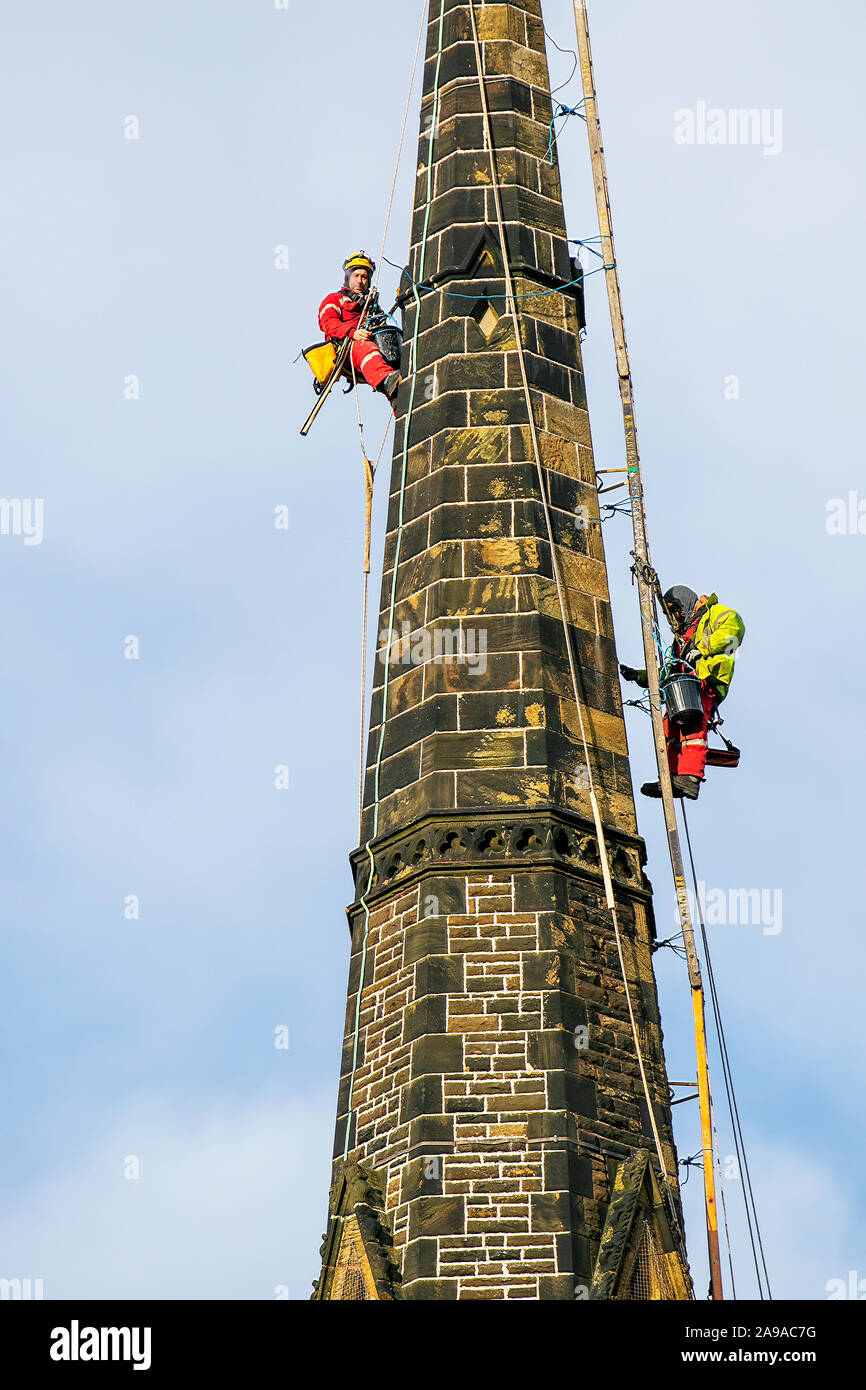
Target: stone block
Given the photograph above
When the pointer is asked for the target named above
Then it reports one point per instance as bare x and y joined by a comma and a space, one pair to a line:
556, 1286
439, 976
424, 1016
421, 1097
422, 1177
420, 1259
431, 1134
492, 407
434, 1290
437, 1053
436, 1216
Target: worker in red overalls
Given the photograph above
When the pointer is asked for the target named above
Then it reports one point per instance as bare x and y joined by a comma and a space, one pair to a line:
707, 636
340, 317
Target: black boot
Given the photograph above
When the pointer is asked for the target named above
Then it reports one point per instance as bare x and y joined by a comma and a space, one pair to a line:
391, 385
687, 786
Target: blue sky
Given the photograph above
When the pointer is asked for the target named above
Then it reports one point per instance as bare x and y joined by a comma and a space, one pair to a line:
154, 258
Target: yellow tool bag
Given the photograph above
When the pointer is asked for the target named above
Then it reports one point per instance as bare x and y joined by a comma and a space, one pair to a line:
321, 358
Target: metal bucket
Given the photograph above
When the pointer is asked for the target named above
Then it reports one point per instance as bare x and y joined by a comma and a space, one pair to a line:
389, 341
682, 697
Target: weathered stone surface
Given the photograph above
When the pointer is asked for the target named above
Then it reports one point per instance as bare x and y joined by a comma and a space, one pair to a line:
490, 1073
437, 1053
437, 1216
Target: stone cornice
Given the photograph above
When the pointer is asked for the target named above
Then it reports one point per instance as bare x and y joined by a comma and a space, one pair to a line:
450, 841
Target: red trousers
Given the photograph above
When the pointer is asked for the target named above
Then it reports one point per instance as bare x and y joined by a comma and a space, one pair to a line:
370, 363
687, 748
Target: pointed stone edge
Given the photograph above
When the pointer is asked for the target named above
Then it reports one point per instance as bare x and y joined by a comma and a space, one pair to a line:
358, 1195
635, 1189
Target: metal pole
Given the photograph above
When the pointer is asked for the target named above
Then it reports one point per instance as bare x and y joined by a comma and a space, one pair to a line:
645, 582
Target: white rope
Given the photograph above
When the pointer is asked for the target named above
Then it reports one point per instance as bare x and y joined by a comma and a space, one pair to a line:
371, 298
596, 815
356, 1032
364, 607
421, 29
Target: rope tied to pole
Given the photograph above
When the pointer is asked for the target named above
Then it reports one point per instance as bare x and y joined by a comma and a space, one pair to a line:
560, 111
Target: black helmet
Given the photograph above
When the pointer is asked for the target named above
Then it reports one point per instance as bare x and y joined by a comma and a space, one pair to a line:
680, 603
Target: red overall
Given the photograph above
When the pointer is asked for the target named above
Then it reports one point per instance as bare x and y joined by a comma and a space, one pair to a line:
339, 316
687, 748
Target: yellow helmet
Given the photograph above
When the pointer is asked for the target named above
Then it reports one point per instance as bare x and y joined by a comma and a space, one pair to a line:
360, 261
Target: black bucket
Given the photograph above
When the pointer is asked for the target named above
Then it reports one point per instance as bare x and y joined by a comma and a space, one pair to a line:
389, 341
682, 697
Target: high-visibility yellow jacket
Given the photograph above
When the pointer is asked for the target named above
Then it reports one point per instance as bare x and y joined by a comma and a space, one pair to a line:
718, 636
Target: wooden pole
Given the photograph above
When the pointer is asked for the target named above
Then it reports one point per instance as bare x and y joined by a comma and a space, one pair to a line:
646, 591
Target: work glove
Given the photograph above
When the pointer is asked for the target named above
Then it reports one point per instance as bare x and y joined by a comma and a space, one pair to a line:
629, 673
692, 656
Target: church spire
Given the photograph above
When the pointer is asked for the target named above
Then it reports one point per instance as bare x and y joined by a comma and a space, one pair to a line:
492, 1092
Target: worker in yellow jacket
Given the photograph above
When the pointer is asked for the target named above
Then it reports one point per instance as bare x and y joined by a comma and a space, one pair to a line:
707, 636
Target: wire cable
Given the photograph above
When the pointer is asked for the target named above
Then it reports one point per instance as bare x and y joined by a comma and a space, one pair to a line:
567, 52
733, 1108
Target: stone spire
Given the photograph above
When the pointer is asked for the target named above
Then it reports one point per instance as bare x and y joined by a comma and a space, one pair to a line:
491, 1113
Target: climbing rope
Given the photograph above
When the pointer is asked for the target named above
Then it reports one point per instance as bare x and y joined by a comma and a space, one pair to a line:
585, 243
596, 814
364, 901
421, 28
752, 1222
671, 943
370, 468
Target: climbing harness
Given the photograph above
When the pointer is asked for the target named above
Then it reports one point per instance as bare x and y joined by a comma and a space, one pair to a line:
729, 756
329, 362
